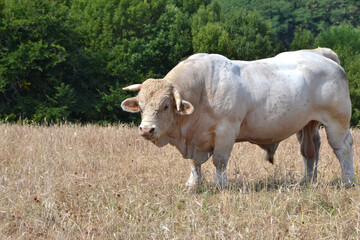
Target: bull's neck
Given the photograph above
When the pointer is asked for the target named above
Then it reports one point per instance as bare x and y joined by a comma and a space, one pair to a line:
179, 137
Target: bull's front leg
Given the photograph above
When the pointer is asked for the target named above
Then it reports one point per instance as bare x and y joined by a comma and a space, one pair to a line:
195, 175
224, 141
220, 161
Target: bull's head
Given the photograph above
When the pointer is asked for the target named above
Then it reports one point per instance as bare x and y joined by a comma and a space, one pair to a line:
159, 103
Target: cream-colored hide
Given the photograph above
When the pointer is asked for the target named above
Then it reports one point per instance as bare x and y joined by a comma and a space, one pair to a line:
208, 102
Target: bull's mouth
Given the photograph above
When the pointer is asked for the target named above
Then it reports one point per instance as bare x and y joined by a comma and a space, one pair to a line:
158, 141
154, 140
149, 138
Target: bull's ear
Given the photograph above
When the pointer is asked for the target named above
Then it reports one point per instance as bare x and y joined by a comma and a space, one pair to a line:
186, 108
130, 105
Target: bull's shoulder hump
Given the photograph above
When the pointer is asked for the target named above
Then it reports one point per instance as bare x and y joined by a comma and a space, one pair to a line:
204, 57
203, 62
197, 56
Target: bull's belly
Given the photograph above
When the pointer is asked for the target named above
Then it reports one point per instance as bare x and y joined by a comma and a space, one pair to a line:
261, 138
270, 131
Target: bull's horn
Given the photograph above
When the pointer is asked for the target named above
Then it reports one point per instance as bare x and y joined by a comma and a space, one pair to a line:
135, 87
177, 98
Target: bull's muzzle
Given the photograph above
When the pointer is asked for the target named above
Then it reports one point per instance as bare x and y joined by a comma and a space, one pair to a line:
147, 132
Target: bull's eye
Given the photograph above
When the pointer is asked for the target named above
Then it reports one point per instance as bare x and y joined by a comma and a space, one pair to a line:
166, 107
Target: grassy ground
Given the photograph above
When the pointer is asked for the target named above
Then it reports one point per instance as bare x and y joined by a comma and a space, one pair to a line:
90, 182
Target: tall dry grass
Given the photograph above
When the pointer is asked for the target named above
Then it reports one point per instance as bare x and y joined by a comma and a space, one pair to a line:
91, 182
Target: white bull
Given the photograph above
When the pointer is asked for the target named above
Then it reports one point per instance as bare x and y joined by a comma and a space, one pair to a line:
207, 103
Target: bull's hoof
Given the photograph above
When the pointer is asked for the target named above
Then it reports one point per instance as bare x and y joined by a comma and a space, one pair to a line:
308, 180
348, 182
192, 184
219, 185
349, 185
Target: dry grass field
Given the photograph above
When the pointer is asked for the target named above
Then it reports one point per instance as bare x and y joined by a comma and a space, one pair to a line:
91, 182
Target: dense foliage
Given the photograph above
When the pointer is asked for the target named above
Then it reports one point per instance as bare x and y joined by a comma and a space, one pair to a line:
67, 60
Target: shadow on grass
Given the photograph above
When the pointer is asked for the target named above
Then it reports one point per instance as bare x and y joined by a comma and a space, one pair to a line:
270, 185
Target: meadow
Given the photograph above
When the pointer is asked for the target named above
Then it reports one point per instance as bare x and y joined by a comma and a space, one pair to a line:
91, 182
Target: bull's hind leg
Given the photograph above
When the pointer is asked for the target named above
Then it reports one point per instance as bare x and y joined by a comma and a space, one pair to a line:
341, 141
309, 139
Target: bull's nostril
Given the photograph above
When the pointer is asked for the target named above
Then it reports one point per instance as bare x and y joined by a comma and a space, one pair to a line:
152, 130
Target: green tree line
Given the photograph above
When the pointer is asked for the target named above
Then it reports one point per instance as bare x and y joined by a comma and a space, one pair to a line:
67, 60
